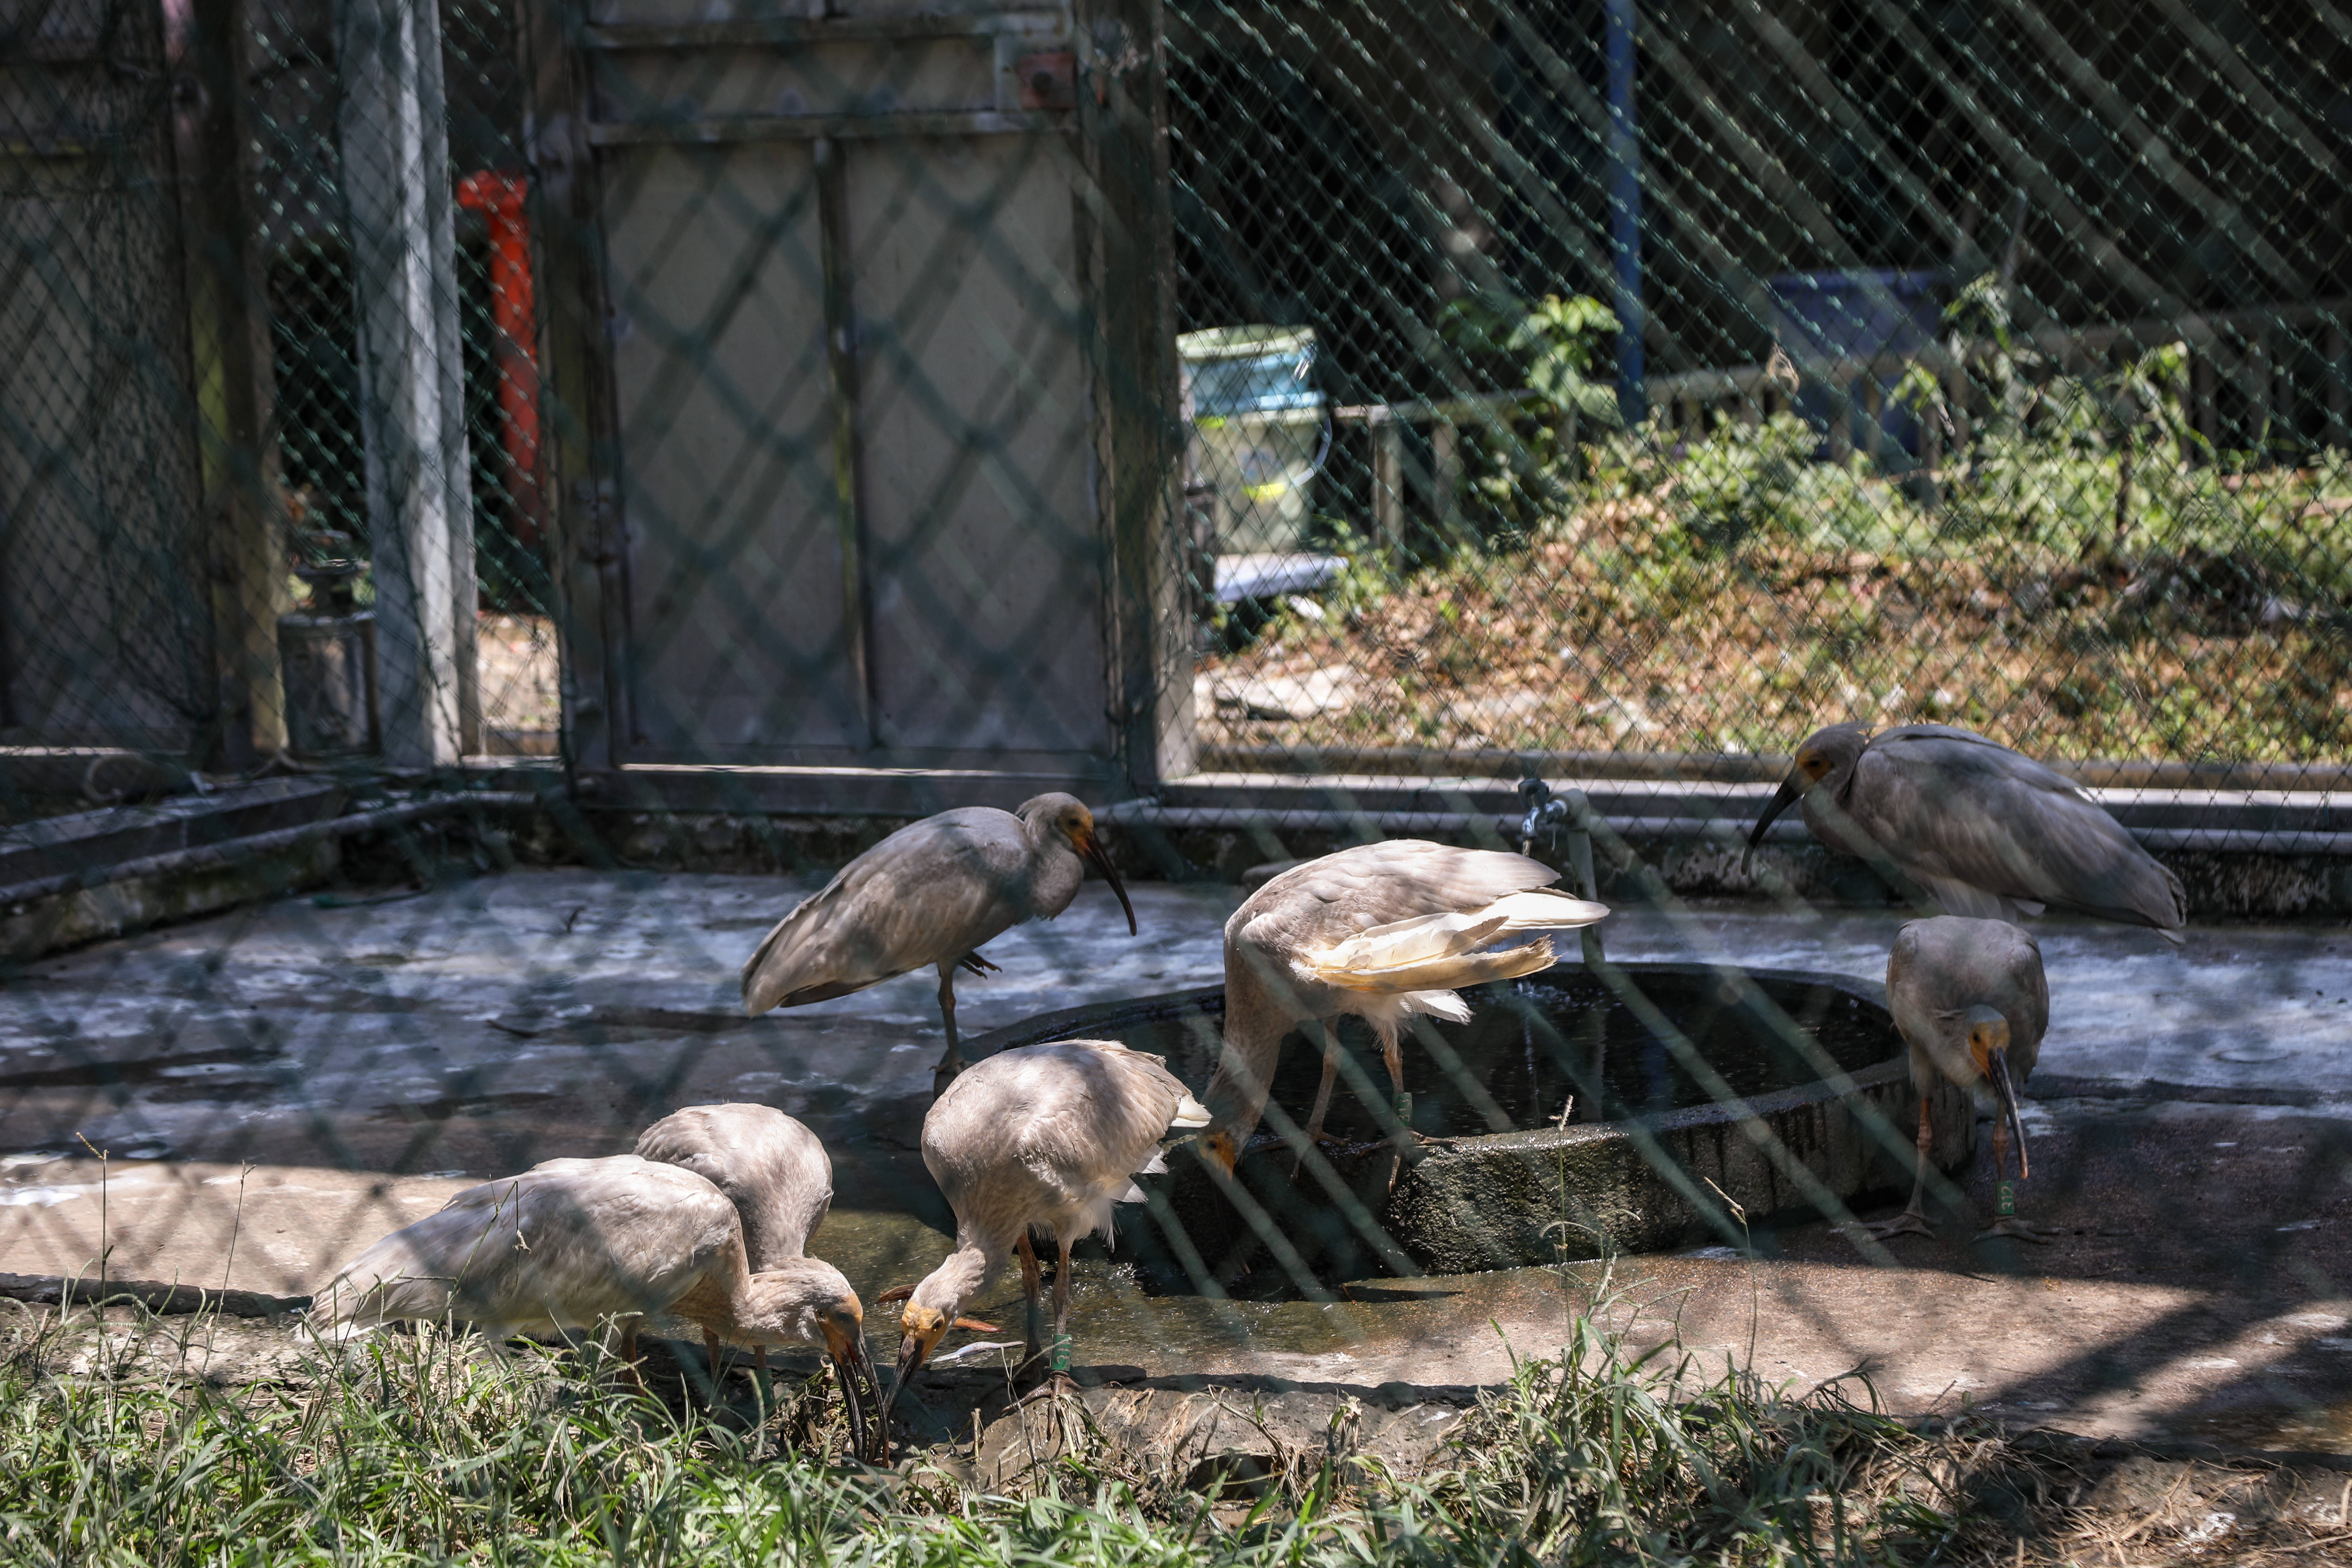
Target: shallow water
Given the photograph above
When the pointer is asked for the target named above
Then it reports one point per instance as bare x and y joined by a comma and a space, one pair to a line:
1640, 1042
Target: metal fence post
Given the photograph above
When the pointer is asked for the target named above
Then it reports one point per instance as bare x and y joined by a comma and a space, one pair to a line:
395, 179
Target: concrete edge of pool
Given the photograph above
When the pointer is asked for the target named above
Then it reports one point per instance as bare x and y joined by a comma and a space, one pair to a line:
1540, 1195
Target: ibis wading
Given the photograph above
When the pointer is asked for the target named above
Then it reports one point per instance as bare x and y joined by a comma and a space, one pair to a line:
930, 896
1382, 931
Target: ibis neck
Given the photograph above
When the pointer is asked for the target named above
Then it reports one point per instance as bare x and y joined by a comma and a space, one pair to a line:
964, 1274
1255, 1025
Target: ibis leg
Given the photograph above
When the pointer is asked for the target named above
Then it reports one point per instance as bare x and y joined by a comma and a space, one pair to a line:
1032, 1287
1913, 1220
1315, 1133
952, 1063
710, 1349
1057, 1364
2005, 1220
629, 1359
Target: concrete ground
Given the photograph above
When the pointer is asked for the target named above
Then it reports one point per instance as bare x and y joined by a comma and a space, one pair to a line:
276, 1087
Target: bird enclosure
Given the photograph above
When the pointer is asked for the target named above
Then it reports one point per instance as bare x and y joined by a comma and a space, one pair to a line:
794, 414
501, 502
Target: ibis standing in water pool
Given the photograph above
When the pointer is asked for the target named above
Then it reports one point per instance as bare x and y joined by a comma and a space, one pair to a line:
571, 1242
1972, 1003
930, 894
1040, 1138
1382, 931
1987, 832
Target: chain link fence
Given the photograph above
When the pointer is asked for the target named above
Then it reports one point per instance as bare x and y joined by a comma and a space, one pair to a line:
485, 487
1871, 361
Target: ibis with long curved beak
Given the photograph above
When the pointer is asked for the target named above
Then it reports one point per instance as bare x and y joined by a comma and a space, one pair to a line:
1380, 932
780, 1179
1985, 831
1972, 1003
571, 1242
1042, 1138
930, 894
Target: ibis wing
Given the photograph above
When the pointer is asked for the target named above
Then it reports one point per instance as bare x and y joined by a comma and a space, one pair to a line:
1955, 806
929, 893
564, 1244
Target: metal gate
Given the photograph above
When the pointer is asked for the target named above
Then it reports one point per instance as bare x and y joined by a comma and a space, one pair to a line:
881, 488
105, 631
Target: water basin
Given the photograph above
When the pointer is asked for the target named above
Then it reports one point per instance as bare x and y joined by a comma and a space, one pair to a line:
1582, 1113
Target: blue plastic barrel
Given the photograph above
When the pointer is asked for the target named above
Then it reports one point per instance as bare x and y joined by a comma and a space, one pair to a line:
1819, 316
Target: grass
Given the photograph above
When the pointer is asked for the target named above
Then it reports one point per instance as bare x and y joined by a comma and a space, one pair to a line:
1728, 594
428, 1448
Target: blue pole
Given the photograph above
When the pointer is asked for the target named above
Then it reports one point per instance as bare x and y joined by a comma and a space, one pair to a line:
1625, 153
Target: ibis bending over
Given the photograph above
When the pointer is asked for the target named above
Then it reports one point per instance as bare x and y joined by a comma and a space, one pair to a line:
1043, 1138
571, 1242
1987, 832
1382, 931
930, 894
1973, 1004
772, 1168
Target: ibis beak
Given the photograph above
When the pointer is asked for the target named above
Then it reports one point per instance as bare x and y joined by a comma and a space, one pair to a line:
1091, 848
912, 1352
1787, 796
2003, 1090
855, 1374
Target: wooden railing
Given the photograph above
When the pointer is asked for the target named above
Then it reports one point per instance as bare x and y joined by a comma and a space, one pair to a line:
2235, 348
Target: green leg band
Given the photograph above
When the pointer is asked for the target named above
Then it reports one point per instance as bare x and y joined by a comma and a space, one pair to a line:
1061, 1358
2005, 1199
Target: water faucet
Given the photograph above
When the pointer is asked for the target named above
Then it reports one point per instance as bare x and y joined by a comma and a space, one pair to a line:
1544, 810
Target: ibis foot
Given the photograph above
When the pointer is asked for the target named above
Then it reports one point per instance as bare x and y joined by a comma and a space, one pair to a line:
1910, 1222
1053, 1387
2016, 1229
1328, 1143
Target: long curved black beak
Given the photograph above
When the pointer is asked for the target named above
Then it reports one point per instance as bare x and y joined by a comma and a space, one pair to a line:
2005, 1091
911, 1356
855, 1372
1787, 796
1093, 850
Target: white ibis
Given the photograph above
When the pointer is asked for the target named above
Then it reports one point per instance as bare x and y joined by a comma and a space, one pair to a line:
1973, 1004
1382, 931
1987, 832
772, 1168
571, 1242
776, 1173
930, 894
1041, 1138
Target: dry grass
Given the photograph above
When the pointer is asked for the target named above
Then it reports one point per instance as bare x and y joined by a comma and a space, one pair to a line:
1669, 616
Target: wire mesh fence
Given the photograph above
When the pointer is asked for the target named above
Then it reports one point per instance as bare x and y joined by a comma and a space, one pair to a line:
512, 478
1957, 388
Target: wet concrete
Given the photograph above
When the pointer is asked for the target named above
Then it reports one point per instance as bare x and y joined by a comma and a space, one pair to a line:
370, 1059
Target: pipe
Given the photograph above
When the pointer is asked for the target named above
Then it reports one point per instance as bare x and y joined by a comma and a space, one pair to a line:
203, 857
1729, 830
1624, 156
514, 310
